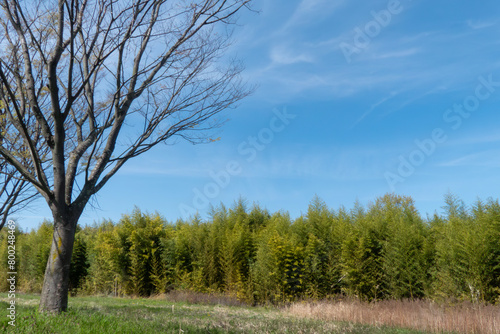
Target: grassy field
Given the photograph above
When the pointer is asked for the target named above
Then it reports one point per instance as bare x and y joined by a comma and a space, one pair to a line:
126, 315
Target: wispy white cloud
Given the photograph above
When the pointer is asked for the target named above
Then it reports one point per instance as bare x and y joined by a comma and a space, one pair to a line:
440, 89
479, 138
309, 10
373, 107
145, 171
379, 68
413, 61
398, 54
489, 158
480, 24
340, 164
283, 55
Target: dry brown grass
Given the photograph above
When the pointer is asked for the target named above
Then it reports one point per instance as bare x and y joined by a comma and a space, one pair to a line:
419, 315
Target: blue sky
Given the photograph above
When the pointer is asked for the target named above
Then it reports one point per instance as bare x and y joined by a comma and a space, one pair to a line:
355, 99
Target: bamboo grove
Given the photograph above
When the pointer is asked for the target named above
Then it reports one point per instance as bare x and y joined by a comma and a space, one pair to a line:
384, 251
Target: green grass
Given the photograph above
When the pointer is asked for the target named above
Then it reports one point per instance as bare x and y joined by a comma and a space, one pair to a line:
126, 315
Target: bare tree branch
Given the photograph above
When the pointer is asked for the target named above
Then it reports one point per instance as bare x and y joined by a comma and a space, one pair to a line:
87, 85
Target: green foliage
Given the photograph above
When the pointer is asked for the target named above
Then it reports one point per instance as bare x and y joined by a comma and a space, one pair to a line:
362, 260
468, 253
142, 246
404, 260
79, 264
107, 269
33, 250
383, 251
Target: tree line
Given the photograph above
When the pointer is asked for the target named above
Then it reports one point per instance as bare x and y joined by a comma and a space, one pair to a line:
385, 250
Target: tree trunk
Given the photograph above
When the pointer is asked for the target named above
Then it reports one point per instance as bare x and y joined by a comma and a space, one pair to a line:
54, 297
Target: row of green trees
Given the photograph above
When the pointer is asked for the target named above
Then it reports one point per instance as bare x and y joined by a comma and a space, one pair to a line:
384, 251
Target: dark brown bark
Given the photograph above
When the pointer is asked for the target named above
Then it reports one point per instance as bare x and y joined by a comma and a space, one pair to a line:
54, 298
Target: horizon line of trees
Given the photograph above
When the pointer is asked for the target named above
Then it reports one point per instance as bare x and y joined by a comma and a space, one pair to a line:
383, 251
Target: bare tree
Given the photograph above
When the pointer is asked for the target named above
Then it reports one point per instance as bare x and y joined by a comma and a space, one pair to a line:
89, 84
15, 193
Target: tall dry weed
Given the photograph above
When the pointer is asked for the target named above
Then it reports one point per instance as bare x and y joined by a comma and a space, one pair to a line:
420, 315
